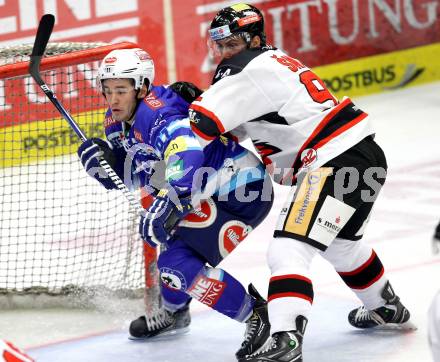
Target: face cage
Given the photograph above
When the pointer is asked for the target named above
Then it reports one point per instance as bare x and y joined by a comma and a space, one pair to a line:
215, 50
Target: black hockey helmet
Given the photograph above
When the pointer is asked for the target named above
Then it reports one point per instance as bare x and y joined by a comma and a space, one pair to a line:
238, 18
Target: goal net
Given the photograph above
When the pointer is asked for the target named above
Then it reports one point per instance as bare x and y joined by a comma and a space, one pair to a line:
61, 232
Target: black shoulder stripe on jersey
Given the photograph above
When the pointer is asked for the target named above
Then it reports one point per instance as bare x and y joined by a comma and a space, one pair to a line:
236, 63
272, 117
344, 116
202, 124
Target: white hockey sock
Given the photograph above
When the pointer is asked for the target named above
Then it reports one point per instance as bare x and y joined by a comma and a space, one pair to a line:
290, 288
360, 268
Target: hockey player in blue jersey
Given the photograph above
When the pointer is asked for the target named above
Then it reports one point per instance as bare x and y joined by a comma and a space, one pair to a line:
219, 194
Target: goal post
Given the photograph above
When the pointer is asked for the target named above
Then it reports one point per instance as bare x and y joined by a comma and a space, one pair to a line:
61, 233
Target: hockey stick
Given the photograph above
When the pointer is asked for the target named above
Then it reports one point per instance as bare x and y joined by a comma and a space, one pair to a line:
44, 31
43, 34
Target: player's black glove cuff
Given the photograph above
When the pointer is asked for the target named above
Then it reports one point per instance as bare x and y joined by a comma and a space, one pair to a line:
187, 90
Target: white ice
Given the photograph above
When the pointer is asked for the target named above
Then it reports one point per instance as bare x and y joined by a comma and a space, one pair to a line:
407, 122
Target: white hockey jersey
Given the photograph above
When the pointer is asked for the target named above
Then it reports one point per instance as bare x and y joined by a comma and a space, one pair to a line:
294, 122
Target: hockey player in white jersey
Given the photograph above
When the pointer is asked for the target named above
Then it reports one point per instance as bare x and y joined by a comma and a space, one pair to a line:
307, 138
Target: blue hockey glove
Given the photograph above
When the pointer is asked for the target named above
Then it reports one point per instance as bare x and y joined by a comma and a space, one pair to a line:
162, 215
89, 153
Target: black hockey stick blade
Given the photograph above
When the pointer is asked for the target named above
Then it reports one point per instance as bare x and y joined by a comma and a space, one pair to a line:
43, 34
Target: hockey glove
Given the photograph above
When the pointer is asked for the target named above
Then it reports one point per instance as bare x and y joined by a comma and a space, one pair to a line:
188, 91
162, 216
89, 153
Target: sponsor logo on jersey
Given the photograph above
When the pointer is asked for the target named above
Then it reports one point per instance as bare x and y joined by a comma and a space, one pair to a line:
175, 170
152, 102
308, 157
138, 136
207, 290
177, 145
331, 218
306, 198
173, 279
201, 217
312, 185
198, 213
109, 121
231, 234
193, 116
152, 137
330, 226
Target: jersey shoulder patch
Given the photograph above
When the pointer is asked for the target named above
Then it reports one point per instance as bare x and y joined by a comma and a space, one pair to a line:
153, 102
112, 127
237, 63
109, 121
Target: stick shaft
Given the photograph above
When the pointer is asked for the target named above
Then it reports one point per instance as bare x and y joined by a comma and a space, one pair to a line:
42, 38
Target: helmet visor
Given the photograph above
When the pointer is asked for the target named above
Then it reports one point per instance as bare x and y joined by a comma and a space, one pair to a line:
228, 46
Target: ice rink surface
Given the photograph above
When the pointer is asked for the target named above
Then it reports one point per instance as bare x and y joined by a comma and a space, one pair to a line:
407, 122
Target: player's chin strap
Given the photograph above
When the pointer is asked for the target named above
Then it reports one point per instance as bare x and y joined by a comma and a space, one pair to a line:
138, 101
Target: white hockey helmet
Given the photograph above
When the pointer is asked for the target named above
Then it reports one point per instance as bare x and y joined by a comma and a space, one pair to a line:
133, 64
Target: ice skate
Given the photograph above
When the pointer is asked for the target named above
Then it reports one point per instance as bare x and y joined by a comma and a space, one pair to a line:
393, 315
163, 324
257, 326
282, 346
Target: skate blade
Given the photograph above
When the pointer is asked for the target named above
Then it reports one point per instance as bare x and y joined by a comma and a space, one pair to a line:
407, 326
160, 336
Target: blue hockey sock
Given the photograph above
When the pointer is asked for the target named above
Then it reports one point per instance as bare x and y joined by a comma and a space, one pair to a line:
222, 292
